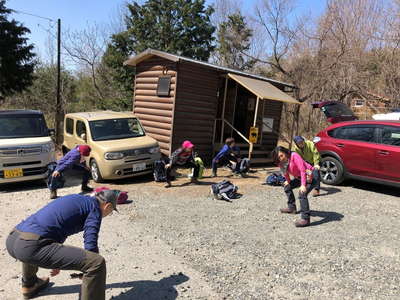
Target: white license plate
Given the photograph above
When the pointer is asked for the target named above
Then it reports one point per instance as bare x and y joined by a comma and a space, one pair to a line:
139, 167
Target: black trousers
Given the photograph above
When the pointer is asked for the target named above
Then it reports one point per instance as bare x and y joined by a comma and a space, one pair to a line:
34, 252
317, 177
80, 169
291, 200
187, 165
223, 161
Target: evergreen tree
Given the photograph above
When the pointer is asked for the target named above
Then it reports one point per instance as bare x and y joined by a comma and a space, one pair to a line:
16, 57
181, 27
233, 39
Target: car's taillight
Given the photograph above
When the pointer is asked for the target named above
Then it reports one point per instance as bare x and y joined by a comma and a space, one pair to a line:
316, 139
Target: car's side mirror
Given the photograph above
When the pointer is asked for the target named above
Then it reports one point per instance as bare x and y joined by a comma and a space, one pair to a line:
52, 132
83, 137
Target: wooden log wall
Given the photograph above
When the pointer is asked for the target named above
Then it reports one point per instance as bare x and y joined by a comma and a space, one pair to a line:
154, 112
195, 107
272, 109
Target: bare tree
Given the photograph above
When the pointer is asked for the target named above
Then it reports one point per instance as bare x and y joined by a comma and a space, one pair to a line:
85, 48
223, 9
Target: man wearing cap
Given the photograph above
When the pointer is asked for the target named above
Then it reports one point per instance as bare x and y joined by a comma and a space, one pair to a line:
38, 242
307, 150
73, 160
183, 157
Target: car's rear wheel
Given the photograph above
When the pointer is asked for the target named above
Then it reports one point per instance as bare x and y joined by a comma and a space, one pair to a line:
332, 171
95, 171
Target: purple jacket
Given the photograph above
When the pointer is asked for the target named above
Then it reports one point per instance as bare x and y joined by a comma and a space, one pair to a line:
73, 157
66, 216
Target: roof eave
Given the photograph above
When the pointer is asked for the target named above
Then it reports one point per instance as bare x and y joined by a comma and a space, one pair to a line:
134, 60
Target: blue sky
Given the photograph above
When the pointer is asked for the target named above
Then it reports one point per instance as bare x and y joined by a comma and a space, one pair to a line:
76, 14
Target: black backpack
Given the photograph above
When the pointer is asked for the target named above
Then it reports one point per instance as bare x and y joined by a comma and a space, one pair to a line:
159, 173
224, 190
244, 165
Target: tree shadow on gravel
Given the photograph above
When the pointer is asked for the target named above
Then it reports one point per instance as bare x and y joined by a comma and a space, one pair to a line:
327, 216
142, 289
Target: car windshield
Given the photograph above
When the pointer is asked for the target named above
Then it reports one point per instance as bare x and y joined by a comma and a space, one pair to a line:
337, 109
22, 126
115, 129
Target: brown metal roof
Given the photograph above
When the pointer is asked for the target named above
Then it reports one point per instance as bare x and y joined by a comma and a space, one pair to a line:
134, 60
262, 89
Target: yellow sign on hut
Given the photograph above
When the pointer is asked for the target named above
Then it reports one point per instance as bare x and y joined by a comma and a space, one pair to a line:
253, 135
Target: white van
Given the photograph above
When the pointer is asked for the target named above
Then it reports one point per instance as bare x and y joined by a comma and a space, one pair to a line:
26, 147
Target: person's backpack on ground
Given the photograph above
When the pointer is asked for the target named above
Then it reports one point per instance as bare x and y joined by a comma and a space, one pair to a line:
244, 166
224, 190
275, 179
159, 173
199, 162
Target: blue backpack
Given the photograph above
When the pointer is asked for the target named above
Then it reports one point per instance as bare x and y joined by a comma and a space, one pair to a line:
275, 179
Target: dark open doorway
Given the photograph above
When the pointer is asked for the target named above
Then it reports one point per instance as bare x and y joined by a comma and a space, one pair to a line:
244, 112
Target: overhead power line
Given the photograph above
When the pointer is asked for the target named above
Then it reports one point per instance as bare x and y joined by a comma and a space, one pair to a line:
33, 15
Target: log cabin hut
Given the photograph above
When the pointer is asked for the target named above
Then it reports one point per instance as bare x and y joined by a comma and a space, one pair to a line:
178, 98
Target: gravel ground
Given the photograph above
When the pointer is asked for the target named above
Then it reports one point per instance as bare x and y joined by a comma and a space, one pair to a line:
178, 243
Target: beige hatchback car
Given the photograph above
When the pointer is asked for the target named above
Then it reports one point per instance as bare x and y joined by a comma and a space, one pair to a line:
120, 146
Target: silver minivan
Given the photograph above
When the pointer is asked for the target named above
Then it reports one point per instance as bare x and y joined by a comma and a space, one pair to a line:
26, 146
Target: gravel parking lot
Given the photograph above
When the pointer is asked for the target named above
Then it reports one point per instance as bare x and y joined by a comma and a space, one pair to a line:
178, 243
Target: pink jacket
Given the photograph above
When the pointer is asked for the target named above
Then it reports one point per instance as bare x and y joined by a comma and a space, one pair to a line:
297, 168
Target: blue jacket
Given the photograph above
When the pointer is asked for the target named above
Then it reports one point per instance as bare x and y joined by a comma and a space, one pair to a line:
73, 157
226, 152
66, 216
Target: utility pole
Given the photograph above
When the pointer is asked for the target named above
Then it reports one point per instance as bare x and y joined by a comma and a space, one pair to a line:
59, 109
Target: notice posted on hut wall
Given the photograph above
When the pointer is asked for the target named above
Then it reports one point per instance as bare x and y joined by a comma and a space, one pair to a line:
268, 124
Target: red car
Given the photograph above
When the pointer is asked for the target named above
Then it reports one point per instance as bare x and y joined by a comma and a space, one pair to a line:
364, 150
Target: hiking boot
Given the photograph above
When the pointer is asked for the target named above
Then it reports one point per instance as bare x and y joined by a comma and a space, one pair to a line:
31, 292
193, 180
214, 174
86, 189
302, 223
315, 193
53, 194
168, 184
288, 210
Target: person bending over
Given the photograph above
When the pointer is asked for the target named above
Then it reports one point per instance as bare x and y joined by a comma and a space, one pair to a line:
292, 164
183, 157
307, 150
73, 160
227, 155
38, 242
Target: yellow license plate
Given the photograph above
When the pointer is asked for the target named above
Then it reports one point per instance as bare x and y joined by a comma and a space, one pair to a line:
13, 173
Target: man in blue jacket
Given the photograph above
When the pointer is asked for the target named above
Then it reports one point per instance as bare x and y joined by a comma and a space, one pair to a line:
227, 154
38, 242
73, 160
